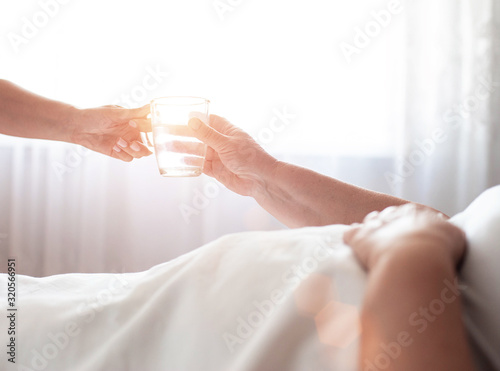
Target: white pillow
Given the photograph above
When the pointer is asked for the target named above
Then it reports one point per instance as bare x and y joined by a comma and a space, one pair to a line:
480, 276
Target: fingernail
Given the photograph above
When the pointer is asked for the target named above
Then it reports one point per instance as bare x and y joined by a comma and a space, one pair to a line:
122, 143
194, 123
133, 123
135, 147
117, 149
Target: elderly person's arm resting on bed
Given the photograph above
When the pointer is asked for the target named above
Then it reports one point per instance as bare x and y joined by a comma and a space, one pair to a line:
296, 196
411, 317
111, 130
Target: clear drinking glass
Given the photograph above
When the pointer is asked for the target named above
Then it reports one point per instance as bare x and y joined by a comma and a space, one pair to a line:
178, 152
147, 140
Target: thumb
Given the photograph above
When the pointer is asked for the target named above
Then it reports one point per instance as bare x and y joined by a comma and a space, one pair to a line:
206, 134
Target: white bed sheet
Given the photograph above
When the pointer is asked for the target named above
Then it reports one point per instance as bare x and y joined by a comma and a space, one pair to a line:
234, 304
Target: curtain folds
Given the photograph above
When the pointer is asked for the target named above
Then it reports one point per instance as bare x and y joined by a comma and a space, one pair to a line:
451, 121
69, 210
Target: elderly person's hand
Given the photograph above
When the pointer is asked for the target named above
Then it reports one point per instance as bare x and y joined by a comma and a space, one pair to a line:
112, 130
404, 227
296, 196
233, 157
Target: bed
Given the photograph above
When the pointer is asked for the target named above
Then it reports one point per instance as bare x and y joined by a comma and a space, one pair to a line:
282, 300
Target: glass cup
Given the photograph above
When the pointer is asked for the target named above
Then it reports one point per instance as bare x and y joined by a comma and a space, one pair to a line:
147, 139
178, 152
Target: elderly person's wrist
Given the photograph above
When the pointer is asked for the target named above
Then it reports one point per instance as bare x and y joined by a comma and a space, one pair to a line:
265, 174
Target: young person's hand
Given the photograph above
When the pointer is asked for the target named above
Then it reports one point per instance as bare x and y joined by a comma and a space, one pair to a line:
112, 130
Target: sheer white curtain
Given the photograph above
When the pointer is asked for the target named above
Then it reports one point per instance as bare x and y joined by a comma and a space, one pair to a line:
450, 151
65, 209
105, 216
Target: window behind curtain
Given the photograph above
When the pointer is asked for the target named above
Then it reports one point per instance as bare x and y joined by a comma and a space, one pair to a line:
252, 59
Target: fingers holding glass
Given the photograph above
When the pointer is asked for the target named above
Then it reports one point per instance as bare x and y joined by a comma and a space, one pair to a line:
132, 148
119, 154
142, 125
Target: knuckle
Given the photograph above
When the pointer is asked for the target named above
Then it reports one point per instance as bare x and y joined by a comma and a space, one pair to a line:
371, 215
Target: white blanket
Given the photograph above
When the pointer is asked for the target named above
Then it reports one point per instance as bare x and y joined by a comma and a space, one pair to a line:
285, 300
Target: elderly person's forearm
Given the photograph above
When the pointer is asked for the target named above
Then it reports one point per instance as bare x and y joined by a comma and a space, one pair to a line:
296, 196
302, 197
